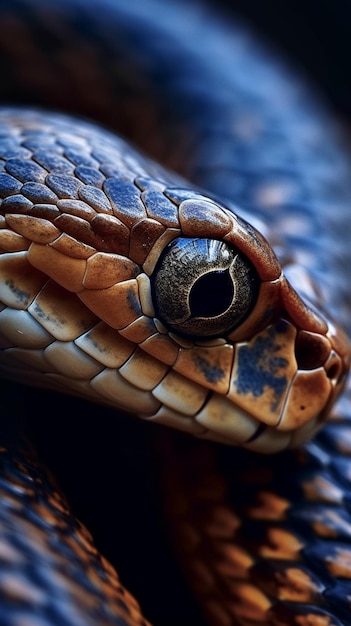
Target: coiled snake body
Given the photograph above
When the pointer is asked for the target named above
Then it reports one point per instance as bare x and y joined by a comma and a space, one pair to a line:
127, 285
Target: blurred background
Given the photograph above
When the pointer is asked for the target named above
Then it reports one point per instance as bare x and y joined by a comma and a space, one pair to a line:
314, 33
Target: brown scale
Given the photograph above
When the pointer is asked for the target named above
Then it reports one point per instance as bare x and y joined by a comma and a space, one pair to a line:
228, 554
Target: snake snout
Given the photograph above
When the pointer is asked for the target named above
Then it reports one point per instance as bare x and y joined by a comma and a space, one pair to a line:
321, 373
334, 369
311, 350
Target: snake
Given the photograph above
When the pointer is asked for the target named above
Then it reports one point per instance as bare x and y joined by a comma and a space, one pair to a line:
173, 247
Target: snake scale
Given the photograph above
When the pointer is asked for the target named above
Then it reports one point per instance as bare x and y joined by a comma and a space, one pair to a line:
152, 289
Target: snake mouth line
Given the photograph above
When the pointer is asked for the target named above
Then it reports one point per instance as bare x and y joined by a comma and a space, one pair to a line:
223, 421
260, 430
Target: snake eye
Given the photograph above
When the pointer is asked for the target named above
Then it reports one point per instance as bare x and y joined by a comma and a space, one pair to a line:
203, 287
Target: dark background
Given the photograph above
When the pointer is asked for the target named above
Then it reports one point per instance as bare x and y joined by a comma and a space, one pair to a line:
316, 34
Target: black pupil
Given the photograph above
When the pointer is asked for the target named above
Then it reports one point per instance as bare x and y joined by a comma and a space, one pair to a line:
211, 294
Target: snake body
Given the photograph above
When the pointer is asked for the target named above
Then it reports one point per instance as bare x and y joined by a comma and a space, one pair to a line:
96, 301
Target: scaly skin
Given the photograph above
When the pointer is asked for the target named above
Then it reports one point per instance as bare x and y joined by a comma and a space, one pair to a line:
258, 142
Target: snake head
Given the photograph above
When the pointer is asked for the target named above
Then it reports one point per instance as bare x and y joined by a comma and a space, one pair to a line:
151, 297
274, 363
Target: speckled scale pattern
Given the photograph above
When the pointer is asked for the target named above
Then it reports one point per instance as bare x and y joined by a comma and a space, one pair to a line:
282, 554
50, 570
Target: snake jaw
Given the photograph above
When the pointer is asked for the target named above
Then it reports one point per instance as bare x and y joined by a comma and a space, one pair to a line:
301, 408
269, 383
262, 371
319, 378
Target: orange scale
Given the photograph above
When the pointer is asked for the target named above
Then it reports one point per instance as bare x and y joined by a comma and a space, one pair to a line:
210, 366
139, 330
33, 228
106, 269
118, 305
203, 218
66, 271
106, 345
300, 313
143, 237
302, 403
256, 248
143, 371
71, 247
12, 242
114, 233
161, 347
78, 228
